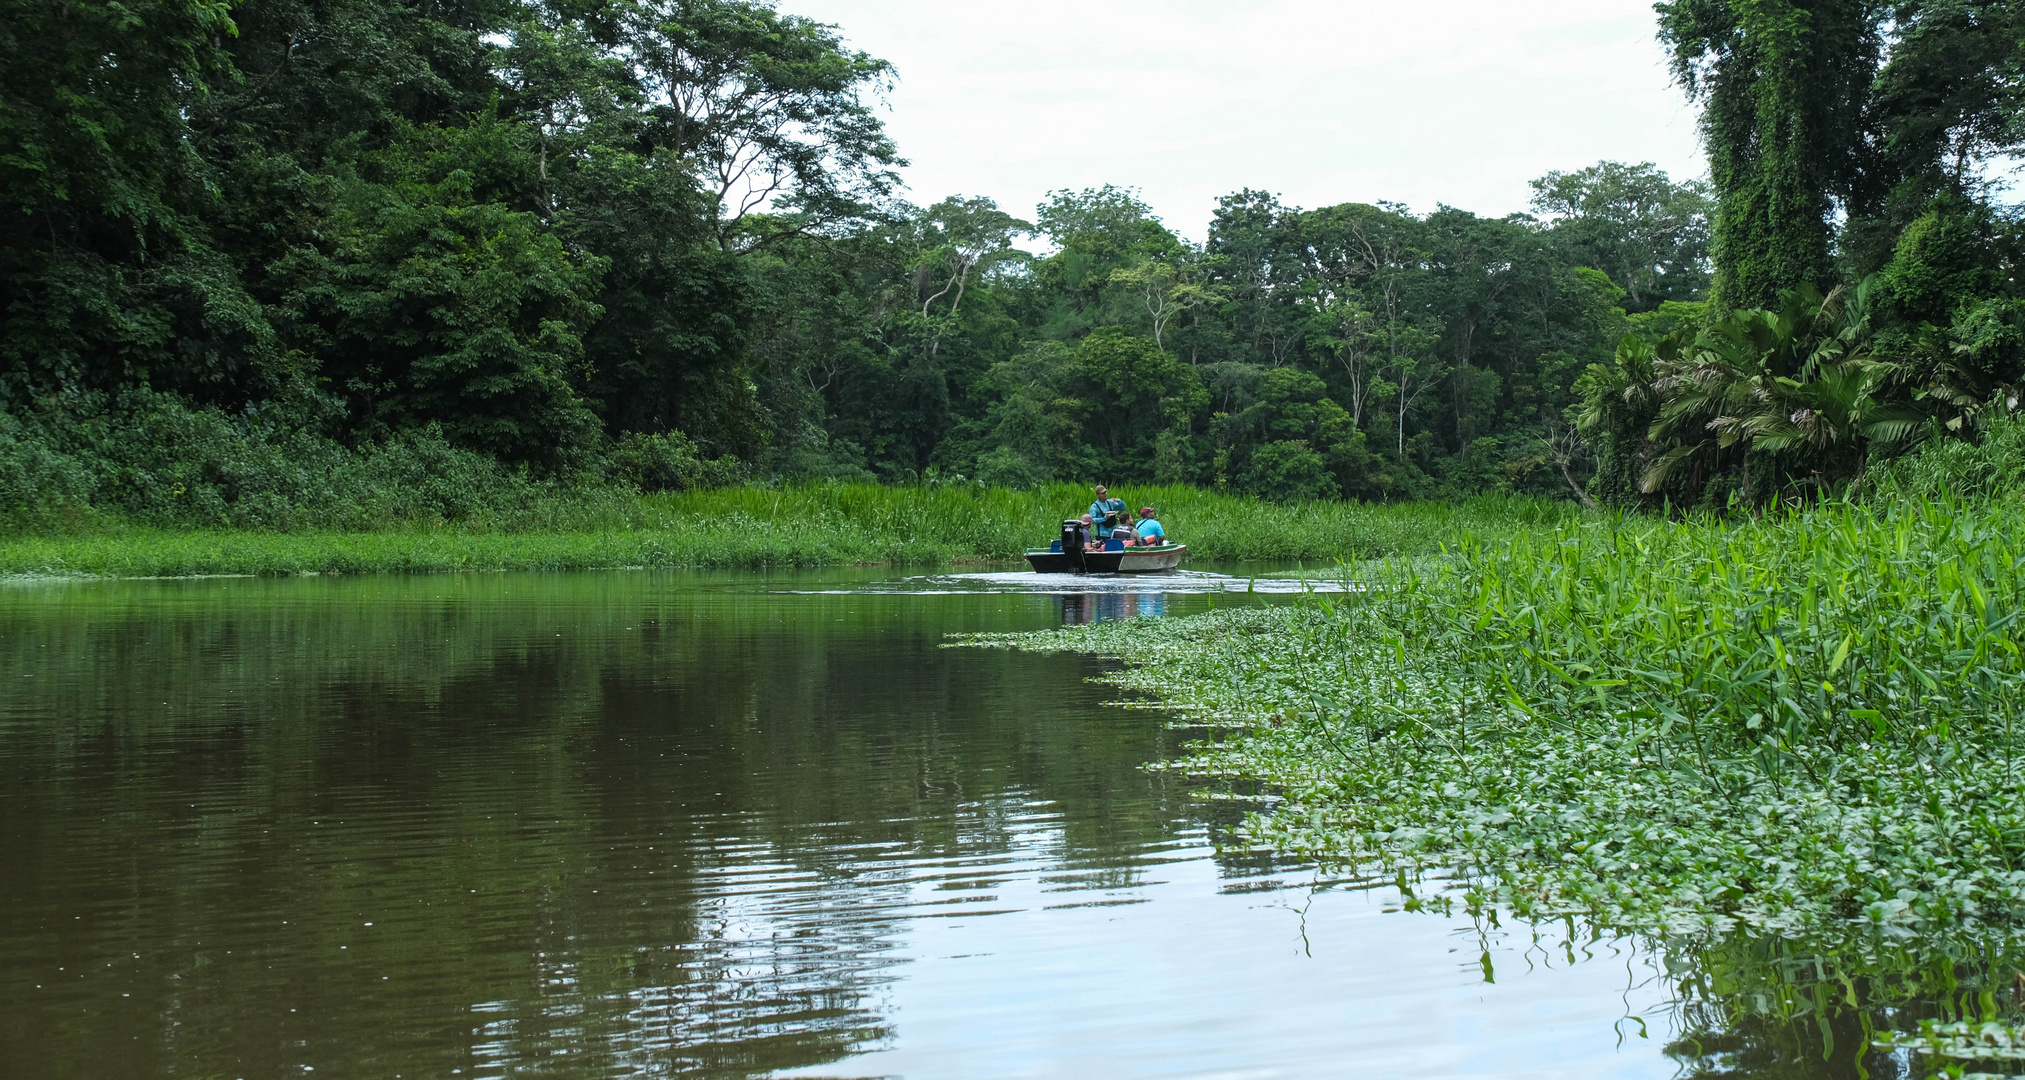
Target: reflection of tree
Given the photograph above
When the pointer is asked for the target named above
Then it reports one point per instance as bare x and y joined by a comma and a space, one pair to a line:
598, 825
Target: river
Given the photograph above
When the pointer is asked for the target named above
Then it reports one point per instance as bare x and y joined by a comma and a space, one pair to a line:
713, 825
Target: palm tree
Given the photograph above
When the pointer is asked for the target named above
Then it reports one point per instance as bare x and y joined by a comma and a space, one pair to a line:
1798, 382
1838, 411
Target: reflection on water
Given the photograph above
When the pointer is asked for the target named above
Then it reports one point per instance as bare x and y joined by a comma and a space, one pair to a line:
1088, 608
637, 824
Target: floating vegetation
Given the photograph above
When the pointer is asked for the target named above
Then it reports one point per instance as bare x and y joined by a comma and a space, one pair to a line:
1802, 727
1966, 1050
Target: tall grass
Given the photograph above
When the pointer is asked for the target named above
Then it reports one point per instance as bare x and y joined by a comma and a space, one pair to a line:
1000, 523
755, 527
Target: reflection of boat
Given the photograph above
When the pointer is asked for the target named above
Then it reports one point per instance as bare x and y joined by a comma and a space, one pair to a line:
1067, 556
1078, 608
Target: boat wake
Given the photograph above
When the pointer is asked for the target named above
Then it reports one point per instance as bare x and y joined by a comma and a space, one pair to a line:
1028, 582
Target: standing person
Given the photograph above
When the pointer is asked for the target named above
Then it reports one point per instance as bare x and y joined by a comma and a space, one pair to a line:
1150, 532
1106, 514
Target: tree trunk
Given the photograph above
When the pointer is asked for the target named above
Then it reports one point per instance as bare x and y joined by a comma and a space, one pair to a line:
1581, 496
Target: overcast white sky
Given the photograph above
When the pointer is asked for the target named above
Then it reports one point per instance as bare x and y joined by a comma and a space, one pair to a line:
1421, 103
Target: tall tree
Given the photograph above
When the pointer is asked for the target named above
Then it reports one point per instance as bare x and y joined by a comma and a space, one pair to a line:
1170, 286
1257, 243
771, 108
1634, 223
1097, 231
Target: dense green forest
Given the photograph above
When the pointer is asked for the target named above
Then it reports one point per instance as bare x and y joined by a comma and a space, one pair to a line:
258, 252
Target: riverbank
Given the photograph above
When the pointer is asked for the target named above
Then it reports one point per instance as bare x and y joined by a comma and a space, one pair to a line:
758, 528
1801, 727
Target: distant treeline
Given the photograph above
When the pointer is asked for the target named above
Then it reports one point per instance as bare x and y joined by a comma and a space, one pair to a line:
658, 242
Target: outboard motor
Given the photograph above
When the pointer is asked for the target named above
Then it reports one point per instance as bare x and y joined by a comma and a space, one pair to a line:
1074, 540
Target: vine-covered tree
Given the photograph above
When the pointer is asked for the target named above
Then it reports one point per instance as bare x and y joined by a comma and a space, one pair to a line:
1782, 85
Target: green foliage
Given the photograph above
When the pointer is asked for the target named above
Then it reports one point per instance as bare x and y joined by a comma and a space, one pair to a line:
1755, 404
38, 480
1391, 344
108, 278
90, 462
1942, 259
669, 462
1882, 113
1945, 102
431, 306
1964, 1046
1101, 232
1139, 389
543, 230
1288, 470
507, 220
773, 98
1037, 428
1669, 317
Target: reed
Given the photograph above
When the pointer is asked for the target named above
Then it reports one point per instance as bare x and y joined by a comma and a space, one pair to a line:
759, 527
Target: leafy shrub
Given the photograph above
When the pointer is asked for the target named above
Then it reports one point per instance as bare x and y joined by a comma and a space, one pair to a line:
36, 478
1005, 466
151, 459
670, 461
1287, 470
1990, 467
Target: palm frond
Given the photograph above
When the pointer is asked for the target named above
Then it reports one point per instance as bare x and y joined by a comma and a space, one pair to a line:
1662, 467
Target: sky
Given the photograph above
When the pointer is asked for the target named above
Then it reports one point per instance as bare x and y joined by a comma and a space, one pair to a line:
1422, 103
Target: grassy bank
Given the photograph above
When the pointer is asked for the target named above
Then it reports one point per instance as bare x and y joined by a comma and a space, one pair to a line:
752, 527
1802, 727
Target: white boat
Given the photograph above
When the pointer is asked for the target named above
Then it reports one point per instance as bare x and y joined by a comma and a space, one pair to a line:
1118, 559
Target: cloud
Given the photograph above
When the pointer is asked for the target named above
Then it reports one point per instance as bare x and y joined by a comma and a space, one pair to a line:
1458, 103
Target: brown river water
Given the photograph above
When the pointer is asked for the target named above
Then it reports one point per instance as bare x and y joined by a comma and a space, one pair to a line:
635, 824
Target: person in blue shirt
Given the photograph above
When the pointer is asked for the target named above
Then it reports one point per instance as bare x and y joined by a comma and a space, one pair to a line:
1150, 532
1106, 514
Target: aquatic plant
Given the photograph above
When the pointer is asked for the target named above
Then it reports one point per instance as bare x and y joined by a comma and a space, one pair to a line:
1802, 726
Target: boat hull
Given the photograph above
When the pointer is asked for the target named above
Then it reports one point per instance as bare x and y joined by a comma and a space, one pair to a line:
1128, 561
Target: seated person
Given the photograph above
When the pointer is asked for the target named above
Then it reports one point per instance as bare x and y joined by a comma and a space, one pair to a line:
1150, 532
1074, 532
1094, 542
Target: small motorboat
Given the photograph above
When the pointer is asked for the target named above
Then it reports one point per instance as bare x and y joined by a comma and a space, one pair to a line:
1069, 555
